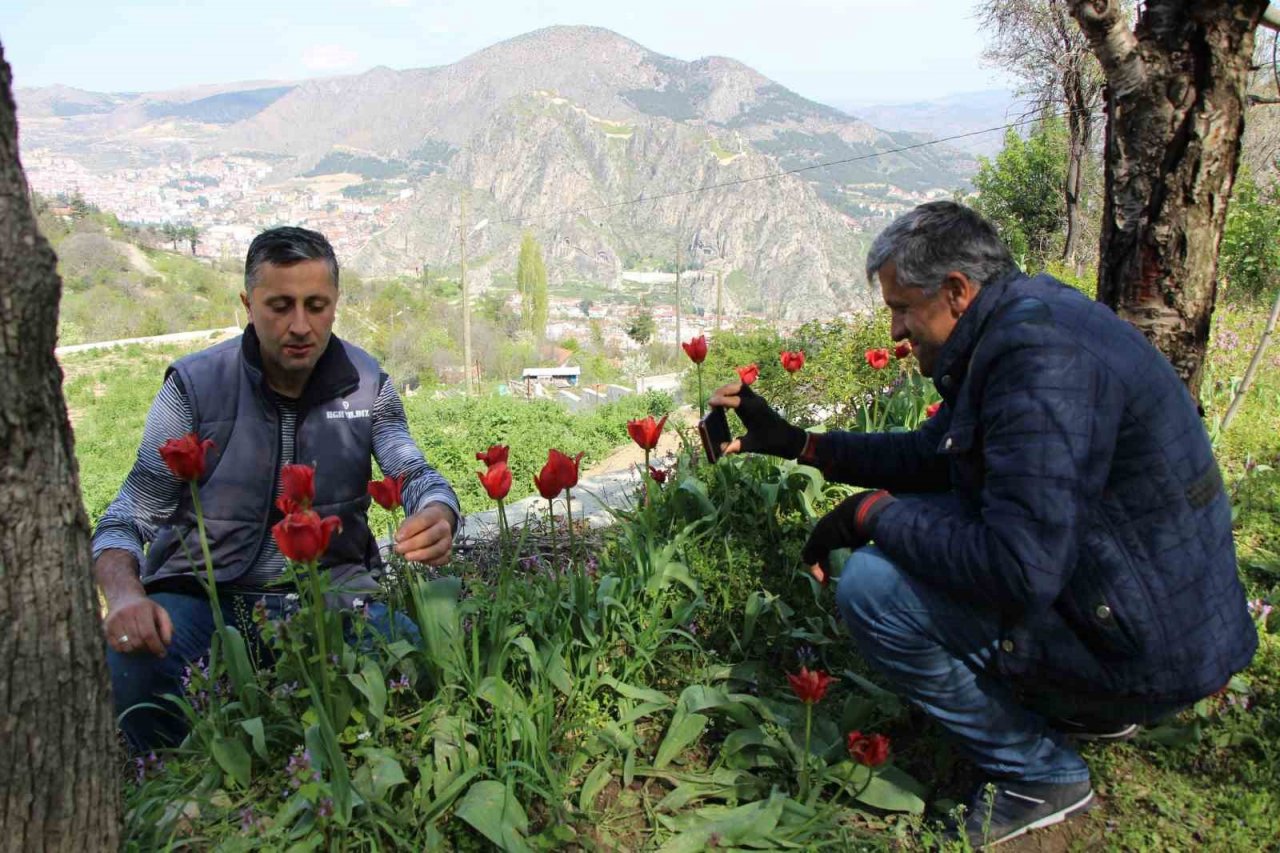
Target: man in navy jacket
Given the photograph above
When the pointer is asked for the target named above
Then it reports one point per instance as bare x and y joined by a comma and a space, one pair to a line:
1053, 552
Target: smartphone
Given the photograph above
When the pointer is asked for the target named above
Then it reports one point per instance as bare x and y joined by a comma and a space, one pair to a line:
714, 431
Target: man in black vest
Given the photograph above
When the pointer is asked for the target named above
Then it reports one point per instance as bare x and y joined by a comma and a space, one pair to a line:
286, 391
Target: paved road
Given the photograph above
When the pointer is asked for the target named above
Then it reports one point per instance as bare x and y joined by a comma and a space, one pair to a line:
174, 338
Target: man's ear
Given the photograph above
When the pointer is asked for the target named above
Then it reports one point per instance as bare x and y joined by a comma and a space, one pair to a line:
959, 291
244, 300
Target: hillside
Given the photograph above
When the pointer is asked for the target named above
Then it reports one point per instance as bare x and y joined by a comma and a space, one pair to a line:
560, 131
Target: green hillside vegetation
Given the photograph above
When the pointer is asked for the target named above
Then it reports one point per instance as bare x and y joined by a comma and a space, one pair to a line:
119, 283
339, 162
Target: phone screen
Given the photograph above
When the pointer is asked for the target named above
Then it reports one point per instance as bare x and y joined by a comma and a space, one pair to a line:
714, 430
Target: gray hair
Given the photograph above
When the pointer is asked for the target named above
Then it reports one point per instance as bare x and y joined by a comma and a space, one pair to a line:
284, 247
931, 240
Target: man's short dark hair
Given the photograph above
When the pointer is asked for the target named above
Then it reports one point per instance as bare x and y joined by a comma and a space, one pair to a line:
284, 247
931, 240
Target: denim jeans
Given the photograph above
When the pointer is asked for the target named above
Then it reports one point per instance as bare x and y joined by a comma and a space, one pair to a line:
139, 680
939, 652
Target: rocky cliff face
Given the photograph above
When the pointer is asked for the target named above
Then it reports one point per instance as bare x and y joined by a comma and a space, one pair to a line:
549, 166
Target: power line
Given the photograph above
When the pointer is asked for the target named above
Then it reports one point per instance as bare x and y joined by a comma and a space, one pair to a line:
772, 175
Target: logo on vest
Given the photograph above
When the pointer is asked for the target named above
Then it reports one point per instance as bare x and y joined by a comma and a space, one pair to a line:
347, 413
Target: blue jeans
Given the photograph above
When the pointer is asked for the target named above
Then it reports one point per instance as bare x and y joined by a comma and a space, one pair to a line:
139, 680
939, 652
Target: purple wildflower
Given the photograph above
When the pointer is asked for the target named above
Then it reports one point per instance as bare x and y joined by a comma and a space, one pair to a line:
1260, 610
148, 767
324, 808
249, 823
300, 770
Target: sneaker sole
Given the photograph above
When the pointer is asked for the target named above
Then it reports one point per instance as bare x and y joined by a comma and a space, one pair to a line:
1057, 817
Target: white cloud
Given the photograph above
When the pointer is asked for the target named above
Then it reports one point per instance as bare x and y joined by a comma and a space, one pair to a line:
329, 57
401, 3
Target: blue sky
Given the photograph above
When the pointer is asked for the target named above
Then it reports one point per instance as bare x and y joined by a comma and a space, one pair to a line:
856, 51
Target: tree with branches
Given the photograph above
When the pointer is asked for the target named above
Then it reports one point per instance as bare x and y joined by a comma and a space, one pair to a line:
1039, 43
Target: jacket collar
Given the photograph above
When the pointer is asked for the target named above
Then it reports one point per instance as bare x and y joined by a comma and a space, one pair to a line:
953, 362
333, 376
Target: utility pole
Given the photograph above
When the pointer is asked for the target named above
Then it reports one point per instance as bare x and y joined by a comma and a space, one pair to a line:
719, 298
466, 294
678, 334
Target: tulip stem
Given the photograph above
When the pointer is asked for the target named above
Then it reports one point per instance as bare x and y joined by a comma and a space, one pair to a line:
646, 475
318, 614
212, 585
701, 404
568, 511
804, 765
504, 530
555, 546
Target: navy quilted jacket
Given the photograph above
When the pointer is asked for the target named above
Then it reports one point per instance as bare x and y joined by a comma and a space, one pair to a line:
1093, 515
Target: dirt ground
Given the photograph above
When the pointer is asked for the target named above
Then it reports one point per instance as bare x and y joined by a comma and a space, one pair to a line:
631, 455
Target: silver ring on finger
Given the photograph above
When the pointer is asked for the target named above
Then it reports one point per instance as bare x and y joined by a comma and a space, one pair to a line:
123, 640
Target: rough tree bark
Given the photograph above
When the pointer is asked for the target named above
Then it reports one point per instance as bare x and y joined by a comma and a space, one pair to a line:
59, 763
1175, 115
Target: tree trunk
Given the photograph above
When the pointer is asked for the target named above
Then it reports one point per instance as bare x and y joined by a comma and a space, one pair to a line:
1079, 130
59, 763
1175, 114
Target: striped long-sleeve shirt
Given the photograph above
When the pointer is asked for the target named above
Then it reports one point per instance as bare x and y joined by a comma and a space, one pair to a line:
150, 494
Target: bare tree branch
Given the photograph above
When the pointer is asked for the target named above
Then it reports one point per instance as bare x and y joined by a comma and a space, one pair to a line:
1106, 24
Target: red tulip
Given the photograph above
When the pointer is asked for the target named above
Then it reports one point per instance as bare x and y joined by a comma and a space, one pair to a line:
878, 358
646, 432
902, 350
659, 476
185, 456
560, 473
387, 492
495, 454
748, 374
496, 480
304, 536
792, 361
932, 409
297, 487
809, 686
696, 349
871, 750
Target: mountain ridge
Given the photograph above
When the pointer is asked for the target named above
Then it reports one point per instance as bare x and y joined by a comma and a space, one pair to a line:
559, 119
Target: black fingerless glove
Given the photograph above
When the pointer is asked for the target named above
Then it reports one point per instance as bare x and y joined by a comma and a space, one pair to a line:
767, 432
849, 525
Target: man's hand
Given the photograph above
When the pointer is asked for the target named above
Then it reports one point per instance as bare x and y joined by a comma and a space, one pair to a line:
767, 432
846, 526
427, 536
136, 624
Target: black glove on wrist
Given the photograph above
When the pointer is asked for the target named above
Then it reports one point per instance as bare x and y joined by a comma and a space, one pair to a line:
767, 432
849, 525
